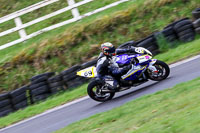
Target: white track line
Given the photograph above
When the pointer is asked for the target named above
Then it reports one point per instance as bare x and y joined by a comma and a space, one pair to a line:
46, 112
184, 61
86, 97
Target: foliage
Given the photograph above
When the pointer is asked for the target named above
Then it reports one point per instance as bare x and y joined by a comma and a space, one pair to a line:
53, 51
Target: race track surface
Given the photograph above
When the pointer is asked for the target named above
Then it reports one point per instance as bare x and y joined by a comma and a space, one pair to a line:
60, 118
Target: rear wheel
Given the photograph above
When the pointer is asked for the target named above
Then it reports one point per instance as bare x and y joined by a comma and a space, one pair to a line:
161, 73
95, 92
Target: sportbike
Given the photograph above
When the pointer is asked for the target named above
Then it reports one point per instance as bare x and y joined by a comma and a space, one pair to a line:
143, 69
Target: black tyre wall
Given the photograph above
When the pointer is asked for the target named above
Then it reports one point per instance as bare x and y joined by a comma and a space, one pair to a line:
4, 103
40, 90
19, 98
89, 63
40, 97
127, 44
6, 112
19, 91
48, 74
21, 105
55, 79
70, 70
196, 13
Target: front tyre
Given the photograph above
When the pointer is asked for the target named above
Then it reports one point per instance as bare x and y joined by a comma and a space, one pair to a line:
162, 71
94, 90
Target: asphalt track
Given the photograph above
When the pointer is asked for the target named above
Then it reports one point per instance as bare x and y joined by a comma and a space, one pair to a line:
59, 118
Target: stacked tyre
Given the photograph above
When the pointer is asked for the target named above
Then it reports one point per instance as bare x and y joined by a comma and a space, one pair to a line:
196, 13
149, 43
69, 76
89, 64
127, 44
185, 30
19, 97
39, 87
55, 84
5, 104
169, 34
196, 23
77, 81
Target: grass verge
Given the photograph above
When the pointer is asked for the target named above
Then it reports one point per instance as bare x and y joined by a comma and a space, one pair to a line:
173, 110
172, 55
52, 51
41, 107
180, 52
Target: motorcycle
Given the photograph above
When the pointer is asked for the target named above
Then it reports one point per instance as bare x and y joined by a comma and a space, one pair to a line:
143, 69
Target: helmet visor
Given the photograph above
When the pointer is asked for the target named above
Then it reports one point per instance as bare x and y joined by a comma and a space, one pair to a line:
111, 50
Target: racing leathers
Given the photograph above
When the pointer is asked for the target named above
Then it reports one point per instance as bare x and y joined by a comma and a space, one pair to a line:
106, 66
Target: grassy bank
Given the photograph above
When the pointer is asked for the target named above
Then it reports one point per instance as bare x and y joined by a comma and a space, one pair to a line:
8, 7
52, 51
173, 110
173, 55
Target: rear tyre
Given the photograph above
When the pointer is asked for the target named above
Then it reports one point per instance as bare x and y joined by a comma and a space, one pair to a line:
94, 91
163, 71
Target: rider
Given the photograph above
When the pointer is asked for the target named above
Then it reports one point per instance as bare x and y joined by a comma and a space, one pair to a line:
106, 66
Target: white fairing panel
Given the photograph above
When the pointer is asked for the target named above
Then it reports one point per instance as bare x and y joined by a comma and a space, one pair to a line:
141, 50
143, 58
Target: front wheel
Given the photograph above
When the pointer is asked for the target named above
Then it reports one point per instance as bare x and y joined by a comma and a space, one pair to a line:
94, 90
161, 73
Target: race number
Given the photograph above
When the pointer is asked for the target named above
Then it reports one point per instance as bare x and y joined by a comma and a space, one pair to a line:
88, 73
139, 50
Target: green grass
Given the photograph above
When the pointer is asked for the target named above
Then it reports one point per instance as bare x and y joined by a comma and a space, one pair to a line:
175, 110
173, 55
41, 12
53, 101
80, 40
52, 51
180, 52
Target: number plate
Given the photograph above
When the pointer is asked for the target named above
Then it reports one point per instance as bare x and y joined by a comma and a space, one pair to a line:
89, 72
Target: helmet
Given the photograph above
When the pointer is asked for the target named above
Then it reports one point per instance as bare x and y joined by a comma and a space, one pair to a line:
108, 49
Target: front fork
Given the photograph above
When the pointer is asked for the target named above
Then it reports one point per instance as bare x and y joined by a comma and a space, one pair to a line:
152, 68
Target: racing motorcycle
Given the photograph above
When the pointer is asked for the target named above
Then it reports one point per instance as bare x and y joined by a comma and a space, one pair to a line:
143, 69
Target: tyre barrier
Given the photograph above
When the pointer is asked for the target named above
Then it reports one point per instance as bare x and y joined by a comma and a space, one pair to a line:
88, 64
149, 43
185, 30
56, 84
19, 97
70, 70
196, 25
127, 44
169, 34
175, 22
43, 85
39, 87
5, 104
196, 13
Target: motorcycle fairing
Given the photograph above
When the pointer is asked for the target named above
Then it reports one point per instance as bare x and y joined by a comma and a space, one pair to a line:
89, 72
133, 73
125, 59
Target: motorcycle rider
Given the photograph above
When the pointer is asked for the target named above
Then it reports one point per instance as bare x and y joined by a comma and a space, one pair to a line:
106, 65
